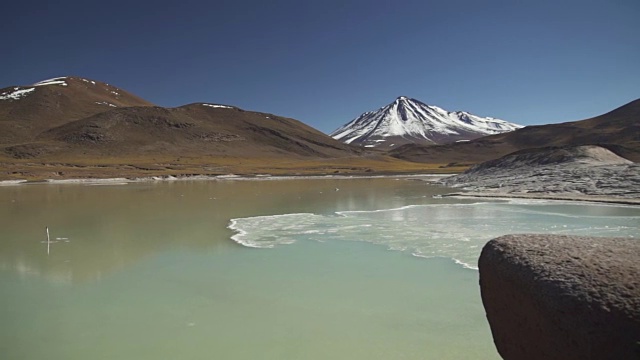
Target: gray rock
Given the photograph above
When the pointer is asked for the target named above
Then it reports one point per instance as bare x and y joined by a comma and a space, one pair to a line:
589, 171
562, 297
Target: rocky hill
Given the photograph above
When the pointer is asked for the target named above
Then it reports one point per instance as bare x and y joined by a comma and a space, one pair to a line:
579, 172
195, 129
26, 111
72, 127
69, 117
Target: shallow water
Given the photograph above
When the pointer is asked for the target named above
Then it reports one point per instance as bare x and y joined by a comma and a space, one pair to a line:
149, 271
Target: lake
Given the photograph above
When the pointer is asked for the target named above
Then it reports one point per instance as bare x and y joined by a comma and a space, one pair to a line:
378, 268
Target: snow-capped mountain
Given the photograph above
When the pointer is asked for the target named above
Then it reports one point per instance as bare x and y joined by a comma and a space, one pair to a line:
408, 120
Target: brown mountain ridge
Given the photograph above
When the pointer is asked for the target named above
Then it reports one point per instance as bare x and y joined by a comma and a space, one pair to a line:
195, 129
76, 127
26, 111
617, 130
69, 116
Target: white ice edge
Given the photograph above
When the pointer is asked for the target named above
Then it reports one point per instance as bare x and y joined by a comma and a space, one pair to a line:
406, 207
240, 234
238, 238
464, 264
12, 182
541, 200
485, 201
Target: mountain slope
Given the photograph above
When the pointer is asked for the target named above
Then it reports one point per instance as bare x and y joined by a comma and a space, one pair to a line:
617, 130
25, 111
68, 117
195, 129
410, 121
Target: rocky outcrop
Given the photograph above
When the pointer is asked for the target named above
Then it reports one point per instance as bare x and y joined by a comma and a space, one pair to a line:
562, 297
589, 170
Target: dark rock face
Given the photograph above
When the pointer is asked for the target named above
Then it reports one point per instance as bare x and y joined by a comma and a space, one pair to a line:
562, 297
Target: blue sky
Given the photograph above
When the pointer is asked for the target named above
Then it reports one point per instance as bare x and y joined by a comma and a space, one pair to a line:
325, 62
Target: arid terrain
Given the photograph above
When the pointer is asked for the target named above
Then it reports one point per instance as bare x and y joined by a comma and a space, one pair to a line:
72, 127
585, 172
617, 130
79, 128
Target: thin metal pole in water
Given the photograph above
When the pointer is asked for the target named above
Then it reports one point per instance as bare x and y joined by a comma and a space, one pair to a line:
48, 241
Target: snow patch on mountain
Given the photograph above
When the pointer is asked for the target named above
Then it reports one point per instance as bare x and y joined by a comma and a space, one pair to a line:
54, 81
218, 106
106, 103
16, 94
409, 120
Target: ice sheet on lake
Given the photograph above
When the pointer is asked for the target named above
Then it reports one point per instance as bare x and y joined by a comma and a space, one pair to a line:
456, 231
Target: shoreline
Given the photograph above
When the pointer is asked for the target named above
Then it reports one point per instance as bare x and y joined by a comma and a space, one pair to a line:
170, 178
433, 178
558, 197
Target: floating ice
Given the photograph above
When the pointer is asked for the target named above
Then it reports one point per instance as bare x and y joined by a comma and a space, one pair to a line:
455, 231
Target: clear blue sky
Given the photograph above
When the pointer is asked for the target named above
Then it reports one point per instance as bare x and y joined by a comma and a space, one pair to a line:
325, 62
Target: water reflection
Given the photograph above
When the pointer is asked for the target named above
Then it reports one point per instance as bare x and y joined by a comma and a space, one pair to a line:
108, 228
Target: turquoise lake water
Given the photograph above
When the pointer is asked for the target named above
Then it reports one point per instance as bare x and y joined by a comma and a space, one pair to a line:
287, 269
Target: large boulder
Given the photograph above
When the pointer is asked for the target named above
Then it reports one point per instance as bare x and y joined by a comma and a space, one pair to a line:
562, 297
